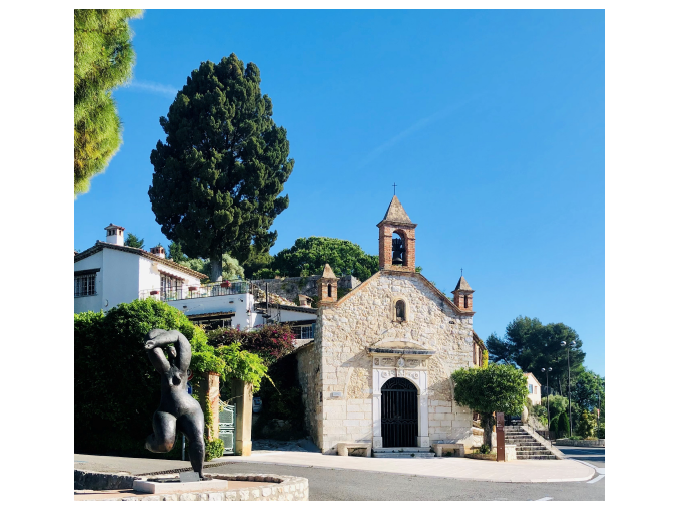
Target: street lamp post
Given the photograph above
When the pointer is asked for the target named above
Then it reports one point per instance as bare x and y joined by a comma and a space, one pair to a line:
547, 396
572, 344
598, 413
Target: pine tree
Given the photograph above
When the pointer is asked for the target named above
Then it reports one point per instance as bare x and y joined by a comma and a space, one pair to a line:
133, 241
103, 58
218, 175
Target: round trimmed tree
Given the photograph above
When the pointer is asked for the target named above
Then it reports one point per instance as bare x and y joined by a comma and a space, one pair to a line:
486, 390
218, 176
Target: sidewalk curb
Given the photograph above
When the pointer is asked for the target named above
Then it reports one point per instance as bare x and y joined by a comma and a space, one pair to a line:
548, 480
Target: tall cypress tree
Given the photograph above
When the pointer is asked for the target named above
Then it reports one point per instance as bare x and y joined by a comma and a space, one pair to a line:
102, 60
218, 175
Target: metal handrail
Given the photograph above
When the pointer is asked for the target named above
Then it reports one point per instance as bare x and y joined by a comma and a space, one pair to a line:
206, 290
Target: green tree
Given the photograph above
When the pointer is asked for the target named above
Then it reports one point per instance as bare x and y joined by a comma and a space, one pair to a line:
102, 60
133, 241
563, 429
531, 346
585, 389
586, 425
309, 255
486, 390
175, 252
218, 176
558, 406
259, 264
231, 269
559, 414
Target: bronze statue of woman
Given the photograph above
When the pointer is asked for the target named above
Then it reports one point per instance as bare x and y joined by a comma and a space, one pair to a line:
178, 411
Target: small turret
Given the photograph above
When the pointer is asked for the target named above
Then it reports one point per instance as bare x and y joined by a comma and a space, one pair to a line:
327, 286
462, 295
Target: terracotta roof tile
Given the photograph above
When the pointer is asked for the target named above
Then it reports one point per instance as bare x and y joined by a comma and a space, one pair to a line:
137, 251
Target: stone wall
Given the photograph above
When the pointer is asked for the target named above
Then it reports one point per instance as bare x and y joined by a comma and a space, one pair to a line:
289, 288
273, 488
308, 375
365, 318
580, 442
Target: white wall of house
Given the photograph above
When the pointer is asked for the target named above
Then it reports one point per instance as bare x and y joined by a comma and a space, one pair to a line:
90, 303
534, 389
238, 303
291, 315
121, 278
149, 277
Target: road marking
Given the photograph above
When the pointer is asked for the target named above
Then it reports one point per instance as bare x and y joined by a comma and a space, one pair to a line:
595, 480
599, 471
586, 463
544, 499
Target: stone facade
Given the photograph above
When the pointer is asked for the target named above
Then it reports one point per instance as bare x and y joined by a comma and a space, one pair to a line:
398, 325
359, 345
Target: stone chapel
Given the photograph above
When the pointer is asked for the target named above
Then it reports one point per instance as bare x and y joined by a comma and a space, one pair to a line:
378, 369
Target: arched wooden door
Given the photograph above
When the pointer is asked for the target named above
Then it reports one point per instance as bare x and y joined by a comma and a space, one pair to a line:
399, 413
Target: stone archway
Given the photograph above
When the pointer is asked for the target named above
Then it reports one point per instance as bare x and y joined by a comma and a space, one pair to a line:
399, 413
401, 360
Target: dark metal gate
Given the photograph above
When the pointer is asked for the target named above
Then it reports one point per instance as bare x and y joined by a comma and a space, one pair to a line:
227, 425
399, 413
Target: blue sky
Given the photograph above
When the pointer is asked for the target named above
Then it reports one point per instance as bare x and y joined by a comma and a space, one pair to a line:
490, 122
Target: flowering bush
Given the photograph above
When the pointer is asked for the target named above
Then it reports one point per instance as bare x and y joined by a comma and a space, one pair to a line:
270, 342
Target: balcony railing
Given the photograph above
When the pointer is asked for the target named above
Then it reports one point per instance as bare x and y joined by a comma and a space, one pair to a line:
207, 290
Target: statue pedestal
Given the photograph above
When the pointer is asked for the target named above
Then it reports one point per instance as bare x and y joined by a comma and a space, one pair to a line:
161, 486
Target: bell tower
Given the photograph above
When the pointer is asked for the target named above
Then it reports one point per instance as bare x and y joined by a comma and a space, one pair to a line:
397, 253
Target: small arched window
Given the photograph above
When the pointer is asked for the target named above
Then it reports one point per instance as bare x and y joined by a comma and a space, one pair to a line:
400, 310
465, 301
329, 290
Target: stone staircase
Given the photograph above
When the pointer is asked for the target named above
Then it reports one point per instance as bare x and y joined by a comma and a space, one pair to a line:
528, 448
403, 453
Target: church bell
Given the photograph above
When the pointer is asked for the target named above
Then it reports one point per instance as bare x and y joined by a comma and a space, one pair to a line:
397, 252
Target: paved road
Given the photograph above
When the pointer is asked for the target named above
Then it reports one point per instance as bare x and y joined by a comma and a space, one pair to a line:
594, 457
348, 485
329, 484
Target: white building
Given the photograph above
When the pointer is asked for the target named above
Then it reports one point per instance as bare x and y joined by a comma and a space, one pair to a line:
110, 273
534, 388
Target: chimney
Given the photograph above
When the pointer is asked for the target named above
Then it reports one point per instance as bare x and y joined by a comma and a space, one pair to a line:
305, 301
114, 234
159, 251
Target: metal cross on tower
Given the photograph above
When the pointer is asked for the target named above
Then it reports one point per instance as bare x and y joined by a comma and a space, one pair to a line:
461, 271
395, 188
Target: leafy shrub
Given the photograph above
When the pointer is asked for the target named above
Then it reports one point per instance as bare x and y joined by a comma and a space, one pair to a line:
116, 388
587, 424
600, 432
214, 449
270, 342
242, 365
558, 405
485, 448
563, 426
